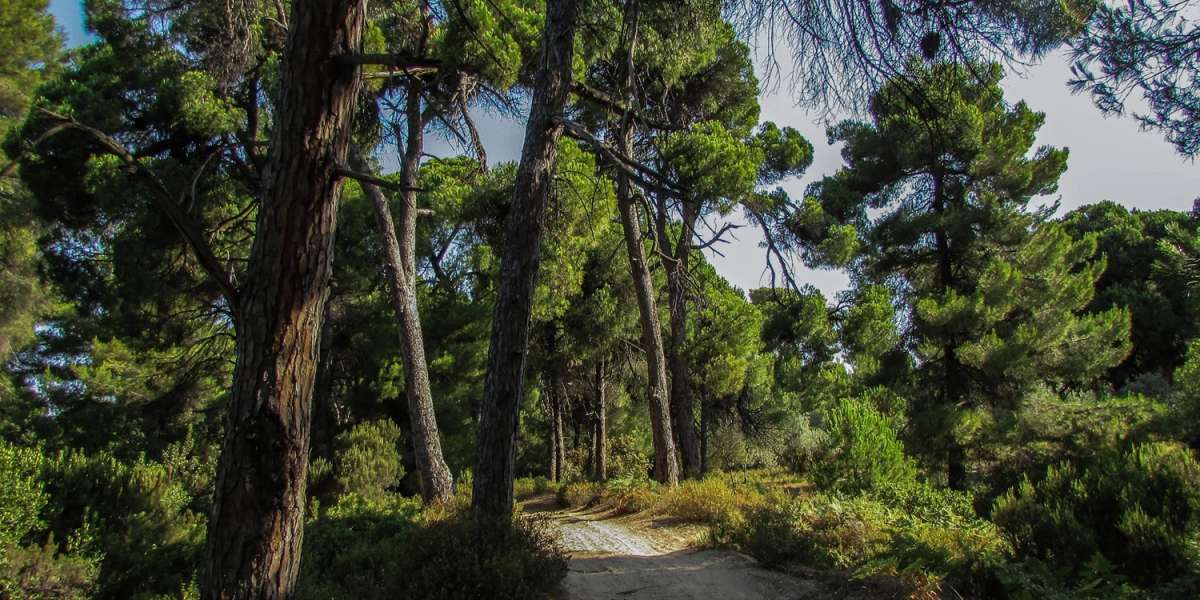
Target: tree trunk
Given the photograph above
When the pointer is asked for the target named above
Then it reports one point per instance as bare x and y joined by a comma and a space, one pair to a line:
682, 397
503, 384
600, 431
666, 469
953, 382
437, 485
705, 422
256, 526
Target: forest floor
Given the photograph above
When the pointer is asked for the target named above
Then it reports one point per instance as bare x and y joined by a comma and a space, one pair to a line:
639, 557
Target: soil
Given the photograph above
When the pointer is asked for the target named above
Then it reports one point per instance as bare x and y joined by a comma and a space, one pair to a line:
635, 557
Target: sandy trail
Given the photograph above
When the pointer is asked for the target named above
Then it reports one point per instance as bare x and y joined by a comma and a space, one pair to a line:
612, 560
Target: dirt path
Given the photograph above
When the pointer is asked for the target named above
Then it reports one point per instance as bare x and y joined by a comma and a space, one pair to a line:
619, 558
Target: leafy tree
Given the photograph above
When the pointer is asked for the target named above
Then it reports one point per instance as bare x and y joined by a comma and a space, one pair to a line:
1141, 275
937, 188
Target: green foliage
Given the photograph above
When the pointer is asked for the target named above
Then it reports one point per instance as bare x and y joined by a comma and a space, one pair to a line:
864, 452
1142, 276
1138, 508
385, 549
903, 529
366, 459
22, 497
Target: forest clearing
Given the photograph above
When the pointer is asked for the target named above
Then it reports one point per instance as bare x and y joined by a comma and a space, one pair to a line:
584, 299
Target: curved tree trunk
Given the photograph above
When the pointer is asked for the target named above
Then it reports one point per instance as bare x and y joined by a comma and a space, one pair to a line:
666, 469
503, 386
256, 526
400, 263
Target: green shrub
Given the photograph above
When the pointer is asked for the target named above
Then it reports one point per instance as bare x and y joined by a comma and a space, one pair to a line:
40, 572
921, 535
384, 548
22, 496
473, 557
351, 550
528, 487
631, 494
367, 459
864, 452
577, 494
1139, 509
709, 500
802, 446
136, 517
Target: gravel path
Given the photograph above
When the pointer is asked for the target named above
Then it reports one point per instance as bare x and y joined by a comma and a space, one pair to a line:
609, 561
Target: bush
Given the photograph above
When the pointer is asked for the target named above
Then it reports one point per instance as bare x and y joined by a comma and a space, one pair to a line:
528, 487
577, 494
631, 494
864, 452
386, 548
922, 535
473, 557
706, 501
1139, 509
803, 446
137, 518
366, 459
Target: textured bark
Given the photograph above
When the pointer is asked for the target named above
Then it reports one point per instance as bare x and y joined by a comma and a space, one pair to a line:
600, 427
437, 485
504, 382
666, 469
256, 526
677, 265
554, 440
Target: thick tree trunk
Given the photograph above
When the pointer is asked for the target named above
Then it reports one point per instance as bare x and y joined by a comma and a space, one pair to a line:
437, 485
705, 422
503, 384
682, 397
600, 430
256, 526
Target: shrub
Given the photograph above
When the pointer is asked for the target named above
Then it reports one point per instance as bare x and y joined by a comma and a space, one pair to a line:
631, 494
579, 493
385, 547
919, 534
1139, 509
137, 518
22, 496
350, 551
706, 501
528, 487
474, 557
803, 446
366, 458
864, 452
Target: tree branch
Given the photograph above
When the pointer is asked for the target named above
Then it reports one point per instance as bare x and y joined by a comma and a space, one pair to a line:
165, 201
373, 180
599, 97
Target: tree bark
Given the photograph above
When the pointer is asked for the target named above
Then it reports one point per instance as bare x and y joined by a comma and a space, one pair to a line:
256, 526
677, 266
600, 427
504, 382
666, 469
437, 485
953, 383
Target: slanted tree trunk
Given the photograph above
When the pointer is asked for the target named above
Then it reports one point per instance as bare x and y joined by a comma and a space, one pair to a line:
600, 427
677, 266
503, 385
256, 526
437, 485
666, 469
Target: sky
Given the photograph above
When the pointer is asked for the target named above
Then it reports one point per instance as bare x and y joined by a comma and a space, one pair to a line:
1110, 157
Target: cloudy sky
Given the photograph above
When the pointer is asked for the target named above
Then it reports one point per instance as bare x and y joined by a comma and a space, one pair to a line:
1111, 159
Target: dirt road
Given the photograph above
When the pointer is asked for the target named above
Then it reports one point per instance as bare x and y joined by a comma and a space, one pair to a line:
621, 559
